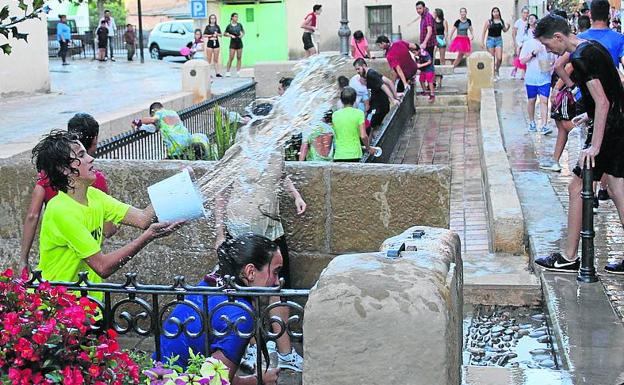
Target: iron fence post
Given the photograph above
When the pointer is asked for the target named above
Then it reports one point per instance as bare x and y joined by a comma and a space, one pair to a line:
587, 272
344, 32
140, 31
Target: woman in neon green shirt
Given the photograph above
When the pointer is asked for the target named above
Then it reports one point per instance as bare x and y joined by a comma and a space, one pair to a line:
349, 131
71, 229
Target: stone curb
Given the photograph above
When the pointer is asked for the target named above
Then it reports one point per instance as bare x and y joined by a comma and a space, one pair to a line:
505, 216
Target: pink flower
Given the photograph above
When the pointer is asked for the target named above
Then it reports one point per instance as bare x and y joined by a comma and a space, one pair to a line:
40, 338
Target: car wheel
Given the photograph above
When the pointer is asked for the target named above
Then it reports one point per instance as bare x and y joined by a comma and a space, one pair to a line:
155, 52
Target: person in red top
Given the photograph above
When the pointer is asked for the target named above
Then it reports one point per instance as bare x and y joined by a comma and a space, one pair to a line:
427, 23
87, 129
309, 27
400, 60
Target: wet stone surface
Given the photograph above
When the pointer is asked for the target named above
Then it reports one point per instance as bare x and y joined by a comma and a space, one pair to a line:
505, 336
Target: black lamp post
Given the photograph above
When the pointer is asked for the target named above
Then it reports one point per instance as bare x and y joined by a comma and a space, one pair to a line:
344, 32
140, 31
587, 272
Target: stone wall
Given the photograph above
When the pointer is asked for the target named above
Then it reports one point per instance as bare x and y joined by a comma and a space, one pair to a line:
375, 320
351, 208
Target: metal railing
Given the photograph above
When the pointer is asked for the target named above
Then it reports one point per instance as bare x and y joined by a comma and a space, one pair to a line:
199, 118
392, 128
84, 44
133, 308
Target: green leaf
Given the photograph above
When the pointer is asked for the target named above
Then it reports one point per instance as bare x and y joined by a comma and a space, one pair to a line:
4, 13
6, 48
22, 36
22, 5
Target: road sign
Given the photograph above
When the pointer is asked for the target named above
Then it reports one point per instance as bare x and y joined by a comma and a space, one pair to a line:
198, 9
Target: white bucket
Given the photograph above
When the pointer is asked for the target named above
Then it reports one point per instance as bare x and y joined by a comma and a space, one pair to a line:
176, 198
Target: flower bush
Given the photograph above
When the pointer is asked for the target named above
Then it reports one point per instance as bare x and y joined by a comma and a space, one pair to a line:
200, 371
44, 340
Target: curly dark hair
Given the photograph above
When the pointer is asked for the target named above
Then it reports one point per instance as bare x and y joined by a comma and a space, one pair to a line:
53, 155
85, 127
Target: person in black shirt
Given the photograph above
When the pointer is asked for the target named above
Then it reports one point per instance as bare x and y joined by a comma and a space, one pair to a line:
102, 35
383, 93
235, 32
603, 99
212, 32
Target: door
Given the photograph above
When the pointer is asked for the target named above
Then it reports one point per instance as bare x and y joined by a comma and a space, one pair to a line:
265, 31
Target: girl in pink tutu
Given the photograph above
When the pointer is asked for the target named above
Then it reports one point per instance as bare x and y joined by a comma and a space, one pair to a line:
462, 44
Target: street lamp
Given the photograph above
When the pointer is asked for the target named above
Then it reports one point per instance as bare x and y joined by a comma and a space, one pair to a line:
140, 31
344, 32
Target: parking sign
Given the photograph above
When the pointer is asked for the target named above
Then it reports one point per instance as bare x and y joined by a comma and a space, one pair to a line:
198, 9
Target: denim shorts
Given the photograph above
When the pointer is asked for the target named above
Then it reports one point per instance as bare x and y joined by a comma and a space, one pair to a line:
493, 42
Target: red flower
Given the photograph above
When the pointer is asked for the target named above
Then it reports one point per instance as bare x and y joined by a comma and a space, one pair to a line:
11, 323
94, 371
25, 349
20, 377
72, 376
8, 273
40, 338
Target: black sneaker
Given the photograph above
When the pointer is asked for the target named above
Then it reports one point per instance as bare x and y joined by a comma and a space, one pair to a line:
615, 268
603, 194
556, 262
596, 204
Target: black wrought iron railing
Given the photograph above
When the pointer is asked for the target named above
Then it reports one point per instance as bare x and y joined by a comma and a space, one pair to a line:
142, 310
199, 118
84, 44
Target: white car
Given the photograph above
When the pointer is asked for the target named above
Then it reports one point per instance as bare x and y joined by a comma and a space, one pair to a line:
168, 38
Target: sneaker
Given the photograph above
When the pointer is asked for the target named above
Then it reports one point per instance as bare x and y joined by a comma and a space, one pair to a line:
556, 262
249, 359
219, 75
532, 127
66, 64
424, 93
431, 98
292, 361
615, 268
603, 194
554, 166
113, 59
545, 130
228, 74
596, 202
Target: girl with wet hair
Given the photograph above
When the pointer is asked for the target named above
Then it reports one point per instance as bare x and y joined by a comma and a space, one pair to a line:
82, 127
493, 30
251, 260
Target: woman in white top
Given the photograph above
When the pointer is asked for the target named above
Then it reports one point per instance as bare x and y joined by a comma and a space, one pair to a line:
517, 36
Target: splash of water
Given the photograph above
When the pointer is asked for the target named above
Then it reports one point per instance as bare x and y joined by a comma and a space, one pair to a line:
301, 107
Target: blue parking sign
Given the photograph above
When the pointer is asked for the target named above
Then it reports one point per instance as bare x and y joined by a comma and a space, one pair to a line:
198, 9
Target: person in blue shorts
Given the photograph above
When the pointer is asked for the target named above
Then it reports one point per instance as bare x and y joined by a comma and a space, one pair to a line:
253, 260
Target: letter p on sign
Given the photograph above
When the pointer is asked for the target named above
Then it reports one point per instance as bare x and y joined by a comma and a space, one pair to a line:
198, 9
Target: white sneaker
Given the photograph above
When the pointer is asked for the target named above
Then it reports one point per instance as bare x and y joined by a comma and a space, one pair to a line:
249, 359
292, 361
228, 74
554, 166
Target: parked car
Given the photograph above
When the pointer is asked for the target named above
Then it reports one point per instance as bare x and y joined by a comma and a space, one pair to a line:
168, 38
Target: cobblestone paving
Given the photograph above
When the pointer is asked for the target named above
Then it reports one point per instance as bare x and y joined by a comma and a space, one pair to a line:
526, 150
451, 138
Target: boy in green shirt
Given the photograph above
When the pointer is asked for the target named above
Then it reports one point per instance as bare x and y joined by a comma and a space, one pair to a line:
349, 130
71, 229
318, 145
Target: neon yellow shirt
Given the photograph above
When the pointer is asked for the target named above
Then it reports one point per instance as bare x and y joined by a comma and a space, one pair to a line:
72, 232
346, 122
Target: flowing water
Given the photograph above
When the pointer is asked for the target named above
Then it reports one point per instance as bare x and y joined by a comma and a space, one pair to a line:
302, 106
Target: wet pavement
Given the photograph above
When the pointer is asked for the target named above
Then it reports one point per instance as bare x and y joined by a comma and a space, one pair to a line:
100, 89
587, 319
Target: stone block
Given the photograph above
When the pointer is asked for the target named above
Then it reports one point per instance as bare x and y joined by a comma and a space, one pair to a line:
504, 210
306, 267
480, 74
196, 79
309, 231
368, 207
444, 69
372, 319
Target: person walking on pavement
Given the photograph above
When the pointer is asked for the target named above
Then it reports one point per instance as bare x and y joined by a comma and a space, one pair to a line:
235, 32
212, 32
441, 32
603, 98
309, 28
427, 33
462, 43
63, 35
519, 34
112, 30
130, 40
493, 38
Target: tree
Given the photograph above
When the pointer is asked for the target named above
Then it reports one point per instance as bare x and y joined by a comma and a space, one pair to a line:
10, 22
566, 5
96, 12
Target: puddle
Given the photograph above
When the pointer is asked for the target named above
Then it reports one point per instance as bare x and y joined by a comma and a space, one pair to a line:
506, 336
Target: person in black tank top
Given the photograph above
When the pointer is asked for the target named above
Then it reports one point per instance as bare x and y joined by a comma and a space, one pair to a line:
212, 32
493, 39
441, 31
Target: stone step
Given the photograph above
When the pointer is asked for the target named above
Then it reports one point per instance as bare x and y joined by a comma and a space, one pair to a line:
440, 100
436, 108
484, 375
500, 279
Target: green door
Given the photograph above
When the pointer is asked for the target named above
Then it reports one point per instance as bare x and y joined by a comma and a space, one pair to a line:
265, 31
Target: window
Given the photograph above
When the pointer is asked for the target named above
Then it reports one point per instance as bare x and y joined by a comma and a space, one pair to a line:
165, 27
379, 21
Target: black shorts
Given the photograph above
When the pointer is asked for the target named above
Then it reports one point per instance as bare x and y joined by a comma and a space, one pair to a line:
102, 44
610, 159
236, 43
212, 44
381, 110
307, 41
